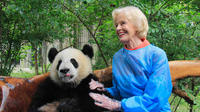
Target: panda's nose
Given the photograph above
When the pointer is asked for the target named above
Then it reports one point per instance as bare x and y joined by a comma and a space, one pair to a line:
64, 70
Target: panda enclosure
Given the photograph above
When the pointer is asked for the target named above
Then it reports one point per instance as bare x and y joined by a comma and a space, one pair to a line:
29, 28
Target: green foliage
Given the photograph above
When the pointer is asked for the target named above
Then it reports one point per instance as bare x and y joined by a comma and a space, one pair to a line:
30, 21
191, 86
22, 74
183, 106
174, 29
174, 25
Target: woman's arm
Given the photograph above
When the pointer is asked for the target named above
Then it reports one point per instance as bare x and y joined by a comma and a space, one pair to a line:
157, 90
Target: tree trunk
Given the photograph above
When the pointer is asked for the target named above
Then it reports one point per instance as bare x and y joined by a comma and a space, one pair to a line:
60, 44
44, 55
41, 59
36, 59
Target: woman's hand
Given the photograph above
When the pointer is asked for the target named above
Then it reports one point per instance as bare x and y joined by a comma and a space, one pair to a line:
96, 85
106, 102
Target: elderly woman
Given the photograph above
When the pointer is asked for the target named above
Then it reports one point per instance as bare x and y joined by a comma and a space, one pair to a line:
141, 75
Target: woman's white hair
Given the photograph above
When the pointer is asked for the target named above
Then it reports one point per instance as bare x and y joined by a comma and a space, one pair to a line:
136, 16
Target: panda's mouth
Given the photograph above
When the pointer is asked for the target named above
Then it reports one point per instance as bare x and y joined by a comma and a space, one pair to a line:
66, 76
69, 75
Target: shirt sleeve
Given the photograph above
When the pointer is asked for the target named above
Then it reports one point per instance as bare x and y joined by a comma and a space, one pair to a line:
114, 91
157, 91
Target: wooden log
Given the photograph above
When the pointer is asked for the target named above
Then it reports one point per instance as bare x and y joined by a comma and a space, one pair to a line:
178, 69
184, 68
16, 93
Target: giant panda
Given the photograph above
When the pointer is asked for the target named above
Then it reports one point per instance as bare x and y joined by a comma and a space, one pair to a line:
68, 82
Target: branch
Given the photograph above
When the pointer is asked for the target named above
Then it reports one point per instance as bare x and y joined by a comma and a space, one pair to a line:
10, 45
151, 16
100, 21
93, 35
183, 95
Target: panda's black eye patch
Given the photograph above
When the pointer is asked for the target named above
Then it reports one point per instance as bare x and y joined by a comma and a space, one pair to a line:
74, 62
58, 65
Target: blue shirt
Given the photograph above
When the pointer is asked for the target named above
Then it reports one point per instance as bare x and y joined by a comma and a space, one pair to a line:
141, 79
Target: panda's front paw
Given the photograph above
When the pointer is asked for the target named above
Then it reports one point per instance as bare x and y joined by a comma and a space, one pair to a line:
49, 107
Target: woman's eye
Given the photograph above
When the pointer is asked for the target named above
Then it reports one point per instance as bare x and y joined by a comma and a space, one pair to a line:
123, 23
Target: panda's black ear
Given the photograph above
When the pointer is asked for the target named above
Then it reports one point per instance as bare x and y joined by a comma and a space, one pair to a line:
52, 54
88, 50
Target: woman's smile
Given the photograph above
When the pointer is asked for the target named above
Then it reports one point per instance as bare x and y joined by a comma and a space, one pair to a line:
121, 34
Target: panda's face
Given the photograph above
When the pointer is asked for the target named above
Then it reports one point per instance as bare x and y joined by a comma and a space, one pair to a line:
67, 69
70, 65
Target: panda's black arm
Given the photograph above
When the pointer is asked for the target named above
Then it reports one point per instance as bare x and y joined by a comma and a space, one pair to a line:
84, 85
46, 92
81, 93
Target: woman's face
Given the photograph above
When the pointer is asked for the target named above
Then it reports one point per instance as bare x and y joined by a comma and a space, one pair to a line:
124, 29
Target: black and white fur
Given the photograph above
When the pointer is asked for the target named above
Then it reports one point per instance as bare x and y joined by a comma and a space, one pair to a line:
68, 83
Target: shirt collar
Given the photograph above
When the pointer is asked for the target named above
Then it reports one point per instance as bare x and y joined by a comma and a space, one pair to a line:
144, 43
